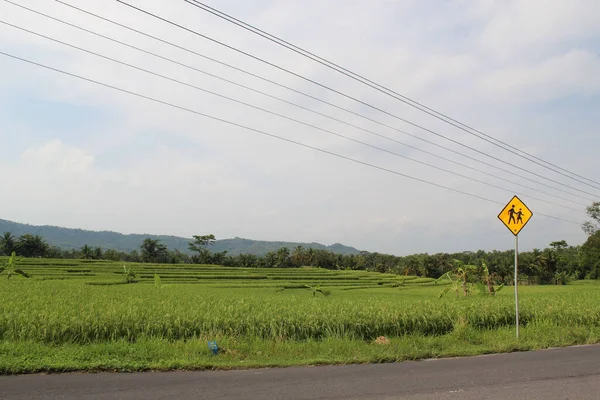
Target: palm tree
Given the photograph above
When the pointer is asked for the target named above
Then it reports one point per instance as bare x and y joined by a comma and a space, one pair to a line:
8, 243
153, 250
298, 256
218, 258
283, 257
247, 260
547, 263
86, 252
270, 260
98, 253
32, 246
311, 256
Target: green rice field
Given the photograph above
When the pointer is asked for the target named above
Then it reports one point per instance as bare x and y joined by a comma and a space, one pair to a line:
79, 315
107, 273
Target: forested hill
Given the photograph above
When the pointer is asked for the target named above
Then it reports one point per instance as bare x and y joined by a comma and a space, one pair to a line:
66, 238
257, 247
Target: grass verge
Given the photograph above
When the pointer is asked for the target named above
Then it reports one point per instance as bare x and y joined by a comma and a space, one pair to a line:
148, 354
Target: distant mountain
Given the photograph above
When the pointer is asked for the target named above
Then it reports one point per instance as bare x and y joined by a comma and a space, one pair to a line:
66, 238
246, 246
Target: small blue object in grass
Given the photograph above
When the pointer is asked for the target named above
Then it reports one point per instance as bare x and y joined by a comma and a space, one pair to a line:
212, 346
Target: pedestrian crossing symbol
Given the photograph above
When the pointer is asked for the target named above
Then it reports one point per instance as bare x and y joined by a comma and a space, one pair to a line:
515, 215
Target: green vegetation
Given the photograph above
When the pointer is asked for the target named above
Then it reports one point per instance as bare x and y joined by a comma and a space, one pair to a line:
96, 314
10, 267
101, 272
78, 314
558, 264
156, 354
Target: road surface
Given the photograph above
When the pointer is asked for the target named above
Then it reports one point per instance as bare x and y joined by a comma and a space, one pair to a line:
569, 373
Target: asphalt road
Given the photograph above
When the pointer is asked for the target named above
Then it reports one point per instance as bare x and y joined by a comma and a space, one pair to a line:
569, 373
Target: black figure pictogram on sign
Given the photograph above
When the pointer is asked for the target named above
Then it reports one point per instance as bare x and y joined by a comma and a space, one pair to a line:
515, 215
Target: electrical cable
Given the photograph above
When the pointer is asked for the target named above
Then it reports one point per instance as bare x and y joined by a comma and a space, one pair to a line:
357, 77
266, 133
348, 96
279, 99
314, 98
280, 115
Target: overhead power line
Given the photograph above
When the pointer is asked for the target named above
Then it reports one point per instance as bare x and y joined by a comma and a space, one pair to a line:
281, 115
264, 133
344, 95
282, 100
383, 89
241, 70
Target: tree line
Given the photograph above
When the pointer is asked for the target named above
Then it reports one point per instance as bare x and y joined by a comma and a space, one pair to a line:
557, 264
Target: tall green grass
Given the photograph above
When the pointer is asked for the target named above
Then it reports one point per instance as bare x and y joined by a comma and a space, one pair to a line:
56, 312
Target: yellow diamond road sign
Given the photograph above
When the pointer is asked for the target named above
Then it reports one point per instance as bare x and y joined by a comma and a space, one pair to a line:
515, 215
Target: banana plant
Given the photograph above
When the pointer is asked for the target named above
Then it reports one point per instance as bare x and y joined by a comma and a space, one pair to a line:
454, 284
317, 289
487, 280
462, 277
129, 275
157, 282
11, 268
464, 273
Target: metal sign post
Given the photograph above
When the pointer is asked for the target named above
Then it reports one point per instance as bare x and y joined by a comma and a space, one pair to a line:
515, 216
517, 282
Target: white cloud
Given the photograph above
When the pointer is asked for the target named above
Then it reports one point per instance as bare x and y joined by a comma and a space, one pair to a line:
573, 73
57, 157
160, 170
517, 27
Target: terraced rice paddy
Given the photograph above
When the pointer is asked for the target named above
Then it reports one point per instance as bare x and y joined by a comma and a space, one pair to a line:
106, 272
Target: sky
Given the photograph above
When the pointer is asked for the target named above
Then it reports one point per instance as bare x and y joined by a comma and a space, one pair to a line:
80, 155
